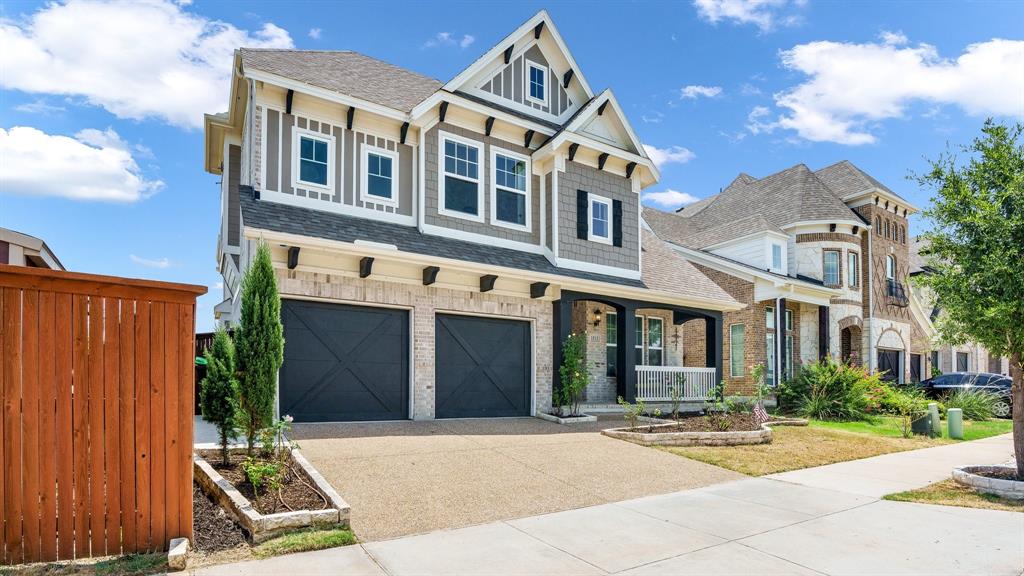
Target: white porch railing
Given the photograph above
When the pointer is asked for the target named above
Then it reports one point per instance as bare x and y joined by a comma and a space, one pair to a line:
654, 383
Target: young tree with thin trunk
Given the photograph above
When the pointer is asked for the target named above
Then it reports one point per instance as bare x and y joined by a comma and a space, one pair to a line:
218, 395
976, 252
260, 342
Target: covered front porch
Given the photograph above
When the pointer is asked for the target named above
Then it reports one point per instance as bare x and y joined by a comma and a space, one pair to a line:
639, 350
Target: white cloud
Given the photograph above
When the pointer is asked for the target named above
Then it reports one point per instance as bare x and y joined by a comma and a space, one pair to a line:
670, 155
135, 59
748, 89
670, 198
148, 263
852, 87
654, 117
449, 39
694, 92
893, 38
765, 14
94, 165
315, 33
40, 106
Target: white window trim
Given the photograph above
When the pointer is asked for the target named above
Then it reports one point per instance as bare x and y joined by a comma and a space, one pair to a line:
771, 348
495, 151
647, 335
824, 268
364, 190
591, 198
641, 342
441, 137
528, 64
781, 268
890, 267
297, 182
769, 318
732, 359
852, 272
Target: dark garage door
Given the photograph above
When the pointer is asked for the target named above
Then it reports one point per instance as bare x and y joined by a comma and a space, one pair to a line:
344, 363
483, 367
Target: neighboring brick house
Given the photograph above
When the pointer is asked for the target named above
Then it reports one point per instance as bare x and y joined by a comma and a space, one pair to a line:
931, 352
20, 249
820, 260
435, 242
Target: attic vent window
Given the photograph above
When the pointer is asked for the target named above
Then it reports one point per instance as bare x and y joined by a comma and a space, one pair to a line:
538, 83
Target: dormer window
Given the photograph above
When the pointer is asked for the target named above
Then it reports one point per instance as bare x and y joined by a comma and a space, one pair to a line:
777, 258
537, 90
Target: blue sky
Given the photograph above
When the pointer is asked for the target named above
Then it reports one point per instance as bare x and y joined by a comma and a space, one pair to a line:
101, 104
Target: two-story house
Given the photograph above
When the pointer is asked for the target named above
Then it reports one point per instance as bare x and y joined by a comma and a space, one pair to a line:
435, 242
819, 258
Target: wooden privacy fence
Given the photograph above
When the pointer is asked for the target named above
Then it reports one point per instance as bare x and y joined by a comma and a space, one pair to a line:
96, 384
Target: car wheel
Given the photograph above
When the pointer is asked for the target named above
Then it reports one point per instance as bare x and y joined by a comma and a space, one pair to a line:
1001, 409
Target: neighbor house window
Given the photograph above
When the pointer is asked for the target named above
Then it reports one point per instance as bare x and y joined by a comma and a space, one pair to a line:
853, 268
736, 350
789, 357
461, 178
600, 219
611, 334
538, 83
831, 267
769, 317
655, 355
962, 362
769, 342
888, 229
510, 200
777, 258
789, 320
314, 158
380, 175
878, 226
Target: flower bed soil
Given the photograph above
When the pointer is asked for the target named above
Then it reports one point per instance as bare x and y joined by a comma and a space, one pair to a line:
213, 529
736, 423
296, 492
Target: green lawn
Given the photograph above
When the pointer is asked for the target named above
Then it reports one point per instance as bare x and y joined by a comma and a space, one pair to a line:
890, 426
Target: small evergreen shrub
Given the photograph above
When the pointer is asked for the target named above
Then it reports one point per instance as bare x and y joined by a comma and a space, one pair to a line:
218, 392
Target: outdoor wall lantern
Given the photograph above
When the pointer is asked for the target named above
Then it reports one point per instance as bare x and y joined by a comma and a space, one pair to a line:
597, 316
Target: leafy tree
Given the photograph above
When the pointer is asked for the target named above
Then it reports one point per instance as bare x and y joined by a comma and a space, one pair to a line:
260, 345
218, 394
976, 250
573, 371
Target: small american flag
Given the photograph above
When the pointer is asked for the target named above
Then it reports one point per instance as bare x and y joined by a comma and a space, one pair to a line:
760, 416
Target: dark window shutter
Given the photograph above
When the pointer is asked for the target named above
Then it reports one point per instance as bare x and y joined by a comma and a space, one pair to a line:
617, 222
582, 226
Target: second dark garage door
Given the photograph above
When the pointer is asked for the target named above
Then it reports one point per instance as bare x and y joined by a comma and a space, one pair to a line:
482, 367
344, 363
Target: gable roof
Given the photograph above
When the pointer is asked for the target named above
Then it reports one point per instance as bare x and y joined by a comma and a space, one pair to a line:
846, 179
345, 72
664, 269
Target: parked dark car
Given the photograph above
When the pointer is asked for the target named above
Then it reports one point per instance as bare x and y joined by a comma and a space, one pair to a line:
983, 381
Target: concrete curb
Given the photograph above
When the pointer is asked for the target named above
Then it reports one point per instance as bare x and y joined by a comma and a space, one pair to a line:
738, 438
567, 421
261, 527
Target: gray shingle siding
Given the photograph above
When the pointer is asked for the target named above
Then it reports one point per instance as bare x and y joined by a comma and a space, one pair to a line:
431, 215
581, 177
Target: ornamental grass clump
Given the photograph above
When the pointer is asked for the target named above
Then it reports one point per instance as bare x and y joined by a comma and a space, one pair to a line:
975, 404
831, 390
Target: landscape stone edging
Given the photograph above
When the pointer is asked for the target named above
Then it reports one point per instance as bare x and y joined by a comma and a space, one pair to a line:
566, 421
260, 527
1010, 489
788, 422
734, 438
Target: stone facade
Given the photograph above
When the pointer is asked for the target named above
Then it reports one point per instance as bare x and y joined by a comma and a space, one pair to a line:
423, 302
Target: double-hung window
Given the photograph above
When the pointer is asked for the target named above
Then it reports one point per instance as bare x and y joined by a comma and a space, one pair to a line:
611, 332
790, 361
314, 160
510, 203
639, 342
769, 342
380, 175
853, 269
831, 266
777, 258
460, 178
537, 89
736, 338
600, 218
655, 345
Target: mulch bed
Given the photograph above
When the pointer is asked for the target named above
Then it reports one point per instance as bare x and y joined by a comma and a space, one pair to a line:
212, 528
731, 423
1005, 474
296, 492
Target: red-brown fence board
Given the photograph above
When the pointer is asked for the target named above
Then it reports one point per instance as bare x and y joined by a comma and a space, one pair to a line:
96, 395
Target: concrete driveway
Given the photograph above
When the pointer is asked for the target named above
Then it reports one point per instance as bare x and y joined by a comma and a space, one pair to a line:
406, 478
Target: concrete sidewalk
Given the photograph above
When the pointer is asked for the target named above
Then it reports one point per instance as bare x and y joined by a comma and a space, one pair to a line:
755, 525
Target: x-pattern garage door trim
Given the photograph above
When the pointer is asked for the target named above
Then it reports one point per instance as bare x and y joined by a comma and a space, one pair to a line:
481, 366
343, 362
